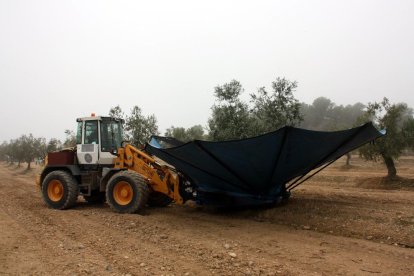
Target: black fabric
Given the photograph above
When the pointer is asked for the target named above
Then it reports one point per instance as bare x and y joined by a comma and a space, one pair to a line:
255, 170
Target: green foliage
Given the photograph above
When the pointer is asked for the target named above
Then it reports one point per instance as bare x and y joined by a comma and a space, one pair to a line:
140, 127
32, 148
116, 112
185, 135
137, 127
3, 151
397, 119
408, 132
10, 152
70, 140
273, 110
16, 150
53, 145
26, 148
7, 152
234, 119
230, 118
229, 92
196, 133
317, 116
178, 133
323, 114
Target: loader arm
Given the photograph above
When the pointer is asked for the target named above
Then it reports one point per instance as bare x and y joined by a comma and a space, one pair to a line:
161, 178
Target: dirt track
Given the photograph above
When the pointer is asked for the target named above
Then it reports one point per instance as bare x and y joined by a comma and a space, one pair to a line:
335, 224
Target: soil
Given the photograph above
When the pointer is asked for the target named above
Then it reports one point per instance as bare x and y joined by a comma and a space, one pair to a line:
347, 220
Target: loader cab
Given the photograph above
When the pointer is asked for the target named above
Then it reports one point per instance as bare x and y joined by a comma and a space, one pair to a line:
98, 139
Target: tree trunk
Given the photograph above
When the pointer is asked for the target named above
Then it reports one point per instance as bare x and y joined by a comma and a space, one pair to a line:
18, 164
28, 165
389, 162
348, 159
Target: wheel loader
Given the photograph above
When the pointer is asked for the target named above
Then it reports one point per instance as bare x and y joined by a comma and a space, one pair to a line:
104, 168
260, 170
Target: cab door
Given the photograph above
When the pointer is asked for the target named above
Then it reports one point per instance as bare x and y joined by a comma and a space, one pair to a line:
88, 151
109, 141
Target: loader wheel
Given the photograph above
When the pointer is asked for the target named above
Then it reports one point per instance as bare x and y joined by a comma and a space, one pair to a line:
60, 190
127, 192
96, 197
157, 199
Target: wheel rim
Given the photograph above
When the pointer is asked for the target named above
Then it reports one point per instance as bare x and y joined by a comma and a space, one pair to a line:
55, 190
123, 193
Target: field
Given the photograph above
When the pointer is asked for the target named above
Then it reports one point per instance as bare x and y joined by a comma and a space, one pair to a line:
344, 221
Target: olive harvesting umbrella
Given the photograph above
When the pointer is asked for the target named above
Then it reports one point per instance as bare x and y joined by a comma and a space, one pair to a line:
257, 170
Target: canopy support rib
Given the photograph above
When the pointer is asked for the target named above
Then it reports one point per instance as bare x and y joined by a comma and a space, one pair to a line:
295, 183
198, 144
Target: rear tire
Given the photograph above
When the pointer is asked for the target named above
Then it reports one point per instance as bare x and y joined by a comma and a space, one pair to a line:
157, 199
127, 192
60, 190
96, 197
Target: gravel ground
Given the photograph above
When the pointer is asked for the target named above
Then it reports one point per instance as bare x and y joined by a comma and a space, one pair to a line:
345, 221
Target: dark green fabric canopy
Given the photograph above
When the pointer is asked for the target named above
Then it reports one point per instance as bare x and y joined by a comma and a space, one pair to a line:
256, 170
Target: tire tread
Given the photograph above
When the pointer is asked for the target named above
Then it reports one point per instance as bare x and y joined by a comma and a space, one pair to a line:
140, 184
68, 182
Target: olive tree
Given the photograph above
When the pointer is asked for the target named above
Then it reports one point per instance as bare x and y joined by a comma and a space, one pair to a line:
70, 140
277, 108
53, 145
269, 110
116, 112
178, 133
32, 148
397, 120
3, 151
182, 134
141, 127
230, 117
17, 150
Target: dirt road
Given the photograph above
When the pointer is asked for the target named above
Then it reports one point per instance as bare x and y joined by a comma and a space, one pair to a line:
336, 224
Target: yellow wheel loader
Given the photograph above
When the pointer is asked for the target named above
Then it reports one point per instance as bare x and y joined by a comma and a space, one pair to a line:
102, 168
260, 170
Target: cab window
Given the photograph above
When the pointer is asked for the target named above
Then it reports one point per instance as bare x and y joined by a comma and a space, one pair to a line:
79, 133
111, 135
91, 132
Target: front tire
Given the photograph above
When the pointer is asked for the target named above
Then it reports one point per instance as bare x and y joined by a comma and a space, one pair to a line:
60, 190
127, 192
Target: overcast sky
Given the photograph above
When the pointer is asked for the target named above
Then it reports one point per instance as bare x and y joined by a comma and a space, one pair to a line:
60, 60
